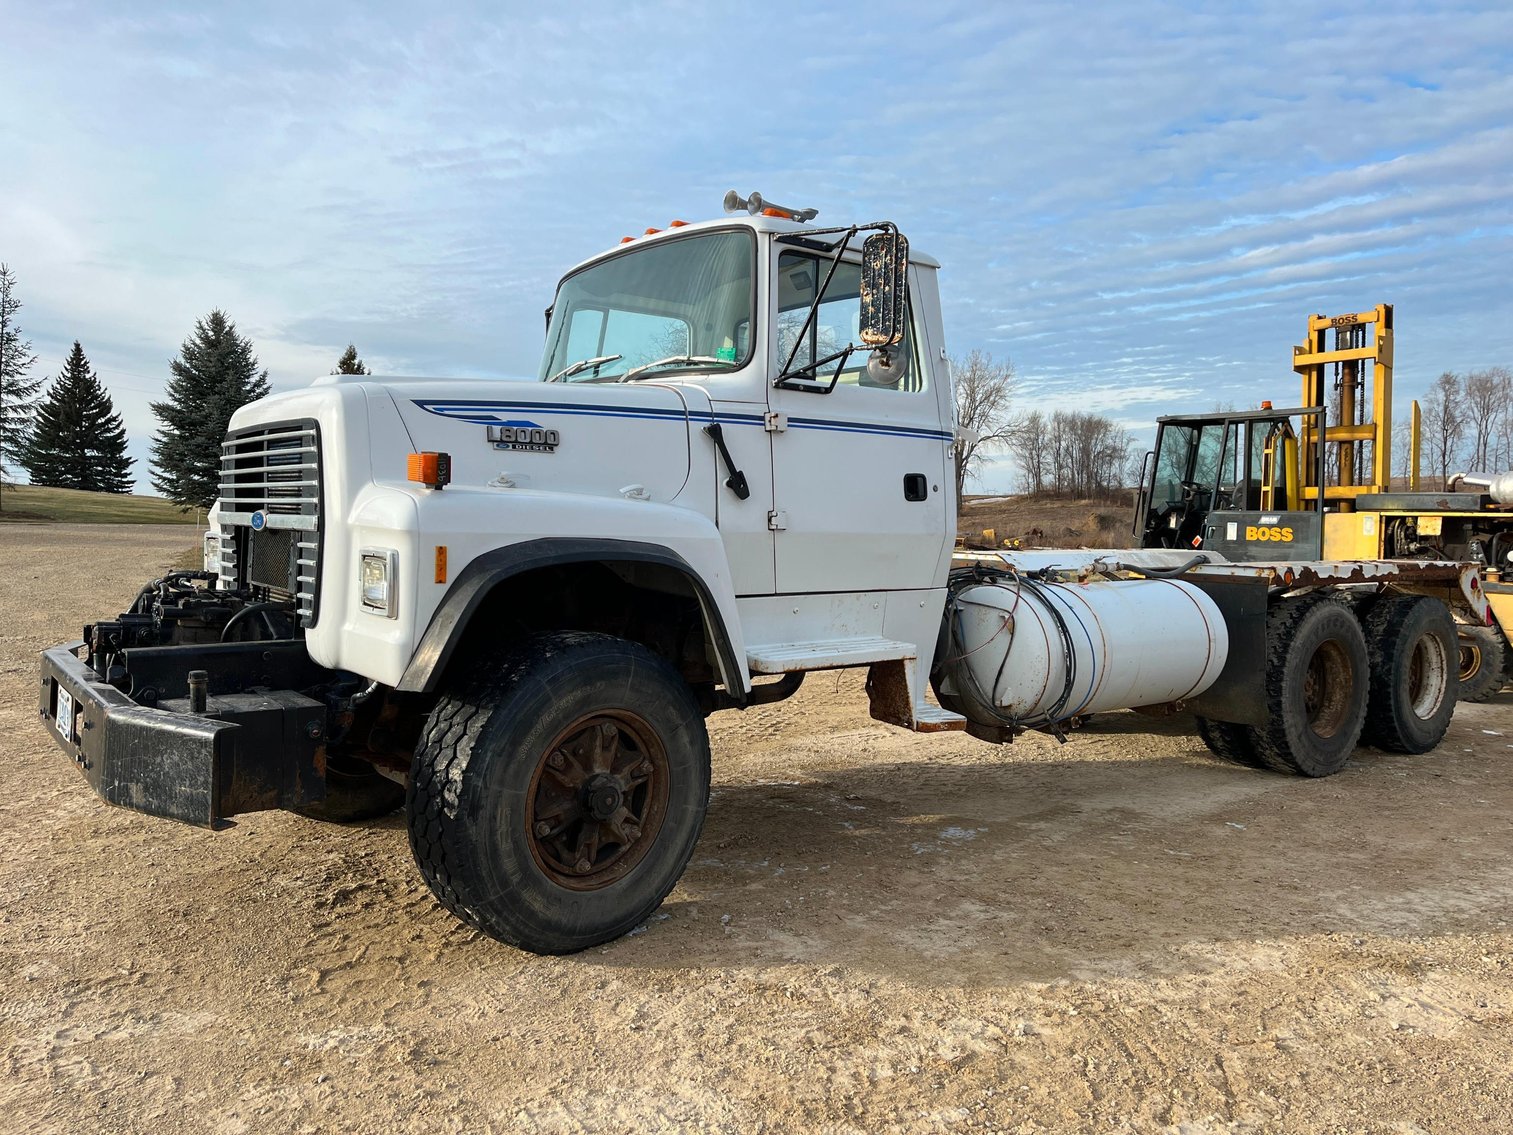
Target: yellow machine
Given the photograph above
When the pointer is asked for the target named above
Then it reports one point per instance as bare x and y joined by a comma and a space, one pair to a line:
1315, 482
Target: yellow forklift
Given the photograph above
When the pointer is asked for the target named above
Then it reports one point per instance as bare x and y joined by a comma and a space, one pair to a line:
1274, 485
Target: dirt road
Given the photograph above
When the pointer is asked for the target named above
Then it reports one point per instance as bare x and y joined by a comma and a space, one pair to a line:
879, 932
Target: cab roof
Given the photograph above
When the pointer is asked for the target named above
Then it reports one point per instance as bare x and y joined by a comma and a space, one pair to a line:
758, 224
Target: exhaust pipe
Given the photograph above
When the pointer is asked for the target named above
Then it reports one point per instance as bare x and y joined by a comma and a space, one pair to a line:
1498, 486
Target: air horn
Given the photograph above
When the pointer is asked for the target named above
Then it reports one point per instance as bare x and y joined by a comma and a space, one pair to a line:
735, 203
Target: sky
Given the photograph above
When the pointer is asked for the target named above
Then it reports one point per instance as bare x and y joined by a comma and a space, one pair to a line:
1137, 204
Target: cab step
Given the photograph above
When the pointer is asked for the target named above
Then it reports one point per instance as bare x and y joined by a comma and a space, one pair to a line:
825, 654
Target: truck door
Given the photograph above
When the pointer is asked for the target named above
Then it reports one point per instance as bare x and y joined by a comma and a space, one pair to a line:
860, 476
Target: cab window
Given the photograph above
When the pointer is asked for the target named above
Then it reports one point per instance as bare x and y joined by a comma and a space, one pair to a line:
836, 323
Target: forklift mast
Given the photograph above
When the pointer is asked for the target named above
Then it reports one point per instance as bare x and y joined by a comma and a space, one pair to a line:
1361, 359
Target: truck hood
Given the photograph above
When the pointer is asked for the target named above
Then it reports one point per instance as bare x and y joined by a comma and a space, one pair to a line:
596, 439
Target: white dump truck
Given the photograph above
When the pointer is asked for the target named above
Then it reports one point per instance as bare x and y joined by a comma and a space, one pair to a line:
509, 606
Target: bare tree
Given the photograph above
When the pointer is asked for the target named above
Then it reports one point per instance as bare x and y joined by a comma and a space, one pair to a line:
1402, 446
1072, 454
1486, 403
1030, 452
984, 416
1443, 425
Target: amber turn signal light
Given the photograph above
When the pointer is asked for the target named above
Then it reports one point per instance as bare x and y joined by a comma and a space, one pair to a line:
431, 469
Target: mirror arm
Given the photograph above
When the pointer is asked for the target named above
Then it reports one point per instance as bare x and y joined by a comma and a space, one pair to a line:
785, 381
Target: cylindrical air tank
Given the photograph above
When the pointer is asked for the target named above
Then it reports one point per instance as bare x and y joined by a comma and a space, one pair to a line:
1031, 653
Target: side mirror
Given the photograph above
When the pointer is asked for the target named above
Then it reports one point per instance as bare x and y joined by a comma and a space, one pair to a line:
885, 309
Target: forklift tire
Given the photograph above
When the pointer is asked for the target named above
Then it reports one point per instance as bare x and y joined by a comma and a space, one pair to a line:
1316, 683
556, 798
1483, 658
355, 791
1230, 742
1412, 643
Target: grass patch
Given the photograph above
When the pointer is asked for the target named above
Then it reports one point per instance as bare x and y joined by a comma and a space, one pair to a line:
30, 502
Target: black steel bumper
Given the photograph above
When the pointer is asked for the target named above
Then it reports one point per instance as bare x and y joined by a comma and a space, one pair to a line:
253, 749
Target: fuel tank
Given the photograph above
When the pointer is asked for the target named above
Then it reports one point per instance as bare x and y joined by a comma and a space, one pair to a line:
1029, 653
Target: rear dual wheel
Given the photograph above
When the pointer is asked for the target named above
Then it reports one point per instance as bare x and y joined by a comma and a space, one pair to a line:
1330, 680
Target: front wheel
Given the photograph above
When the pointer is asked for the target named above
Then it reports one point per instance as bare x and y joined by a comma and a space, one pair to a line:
555, 799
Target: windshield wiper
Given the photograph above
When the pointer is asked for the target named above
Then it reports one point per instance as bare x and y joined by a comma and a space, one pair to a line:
583, 364
674, 360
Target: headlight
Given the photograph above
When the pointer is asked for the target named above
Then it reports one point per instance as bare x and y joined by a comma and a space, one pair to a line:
375, 577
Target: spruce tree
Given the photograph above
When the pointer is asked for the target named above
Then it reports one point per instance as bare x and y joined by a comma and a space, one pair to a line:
349, 363
78, 441
17, 392
215, 374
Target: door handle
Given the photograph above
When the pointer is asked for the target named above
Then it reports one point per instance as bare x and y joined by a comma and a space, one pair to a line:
736, 482
916, 487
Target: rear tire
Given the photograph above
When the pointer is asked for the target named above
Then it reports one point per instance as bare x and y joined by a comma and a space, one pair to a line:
556, 798
1413, 684
1316, 682
1483, 659
1230, 742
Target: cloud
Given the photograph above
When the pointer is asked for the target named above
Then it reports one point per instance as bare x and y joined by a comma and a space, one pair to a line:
1140, 213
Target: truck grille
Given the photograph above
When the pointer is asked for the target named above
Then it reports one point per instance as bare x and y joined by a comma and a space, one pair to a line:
270, 512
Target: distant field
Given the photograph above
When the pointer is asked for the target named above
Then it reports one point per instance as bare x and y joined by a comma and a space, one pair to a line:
28, 502
1048, 522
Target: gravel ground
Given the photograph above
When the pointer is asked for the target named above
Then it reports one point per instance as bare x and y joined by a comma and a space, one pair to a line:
879, 932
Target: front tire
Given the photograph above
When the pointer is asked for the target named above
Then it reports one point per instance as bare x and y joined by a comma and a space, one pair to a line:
556, 799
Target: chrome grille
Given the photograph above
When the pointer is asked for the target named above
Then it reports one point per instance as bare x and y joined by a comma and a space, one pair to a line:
270, 512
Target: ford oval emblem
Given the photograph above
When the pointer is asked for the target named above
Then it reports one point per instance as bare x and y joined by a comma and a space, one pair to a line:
259, 520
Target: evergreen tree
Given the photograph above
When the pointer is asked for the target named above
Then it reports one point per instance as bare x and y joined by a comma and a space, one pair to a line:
17, 392
349, 363
215, 374
78, 441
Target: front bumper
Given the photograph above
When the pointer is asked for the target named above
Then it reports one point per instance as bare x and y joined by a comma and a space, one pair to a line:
253, 748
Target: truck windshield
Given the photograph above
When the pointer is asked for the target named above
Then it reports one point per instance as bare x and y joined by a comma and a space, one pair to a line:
673, 305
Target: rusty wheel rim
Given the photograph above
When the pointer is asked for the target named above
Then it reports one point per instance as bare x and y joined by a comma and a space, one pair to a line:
597, 800
1326, 688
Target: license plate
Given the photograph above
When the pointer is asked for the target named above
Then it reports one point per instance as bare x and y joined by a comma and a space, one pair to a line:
65, 718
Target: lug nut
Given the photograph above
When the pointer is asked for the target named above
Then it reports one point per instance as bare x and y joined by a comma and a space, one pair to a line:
582, 865
542, 827
555, 760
